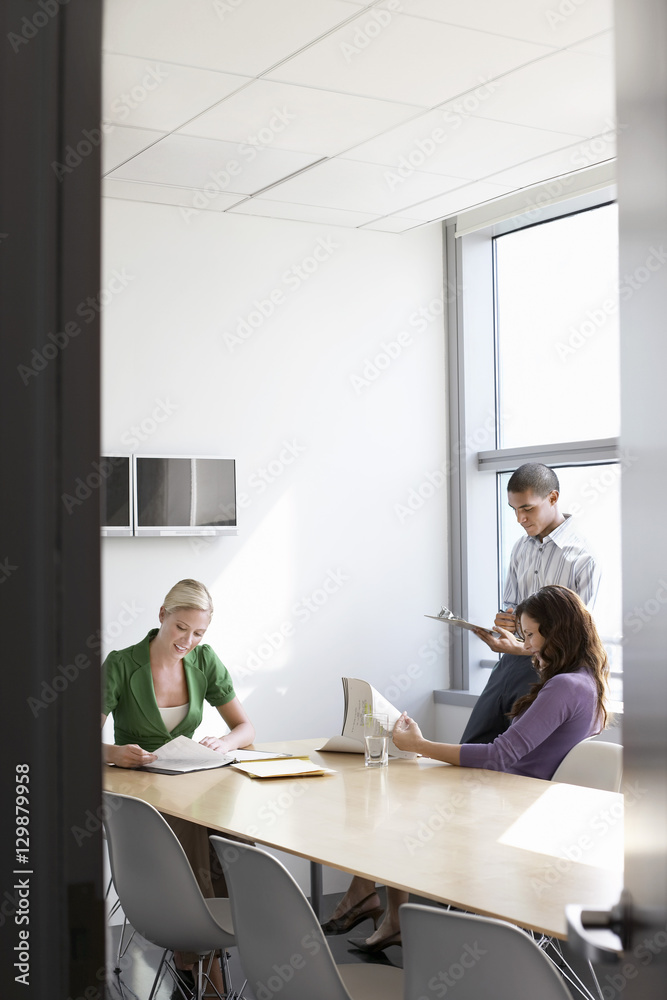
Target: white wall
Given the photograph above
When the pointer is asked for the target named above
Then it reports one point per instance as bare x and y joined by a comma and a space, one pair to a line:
342, 456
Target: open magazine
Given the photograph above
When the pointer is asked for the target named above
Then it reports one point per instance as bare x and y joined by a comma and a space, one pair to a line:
360, 698
181, 755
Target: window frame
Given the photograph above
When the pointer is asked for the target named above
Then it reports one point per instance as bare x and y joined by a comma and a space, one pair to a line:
475, 458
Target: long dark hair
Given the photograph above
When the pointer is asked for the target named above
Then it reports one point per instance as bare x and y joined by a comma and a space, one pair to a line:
571, 642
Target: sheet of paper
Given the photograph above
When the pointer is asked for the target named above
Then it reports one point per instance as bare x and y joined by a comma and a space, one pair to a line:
182, 755
290, 767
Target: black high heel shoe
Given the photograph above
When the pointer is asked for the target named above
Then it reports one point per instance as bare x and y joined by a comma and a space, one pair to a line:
352, 917
372, 949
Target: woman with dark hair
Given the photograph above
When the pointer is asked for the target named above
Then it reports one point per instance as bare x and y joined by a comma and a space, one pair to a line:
566, 705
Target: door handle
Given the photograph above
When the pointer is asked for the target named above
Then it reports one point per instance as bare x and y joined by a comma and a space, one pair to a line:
600, 935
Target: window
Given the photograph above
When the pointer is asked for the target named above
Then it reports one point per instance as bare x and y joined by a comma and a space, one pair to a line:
534, 376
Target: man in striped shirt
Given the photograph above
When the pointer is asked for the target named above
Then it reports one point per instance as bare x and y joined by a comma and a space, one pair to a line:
550, 553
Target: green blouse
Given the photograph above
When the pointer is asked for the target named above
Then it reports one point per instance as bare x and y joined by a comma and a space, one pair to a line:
129, 693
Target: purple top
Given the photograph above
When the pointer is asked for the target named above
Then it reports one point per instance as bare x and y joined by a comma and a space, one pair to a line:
564, 713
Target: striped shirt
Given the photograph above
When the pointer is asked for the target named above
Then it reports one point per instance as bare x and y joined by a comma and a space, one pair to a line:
563, 557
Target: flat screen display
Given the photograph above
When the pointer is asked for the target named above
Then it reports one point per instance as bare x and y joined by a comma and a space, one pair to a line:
116, 495
184, 496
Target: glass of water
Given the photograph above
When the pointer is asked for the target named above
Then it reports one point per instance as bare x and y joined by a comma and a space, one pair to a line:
376, 740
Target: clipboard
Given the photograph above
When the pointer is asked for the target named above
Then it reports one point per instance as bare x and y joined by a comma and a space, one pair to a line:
447, 616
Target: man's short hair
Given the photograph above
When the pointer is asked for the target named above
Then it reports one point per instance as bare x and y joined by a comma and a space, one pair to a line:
533, 476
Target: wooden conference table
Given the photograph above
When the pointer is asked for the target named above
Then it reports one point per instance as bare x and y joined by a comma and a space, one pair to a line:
497, 844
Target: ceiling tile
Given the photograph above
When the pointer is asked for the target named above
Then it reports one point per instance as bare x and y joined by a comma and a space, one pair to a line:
393, 224
568, 92
121, 143
163, 194
390, 56
564, 161
360, 187
207, 164
532, 20
455, 201
301, 213
147, 93
298, 118
458, 145
236, 36
600, 45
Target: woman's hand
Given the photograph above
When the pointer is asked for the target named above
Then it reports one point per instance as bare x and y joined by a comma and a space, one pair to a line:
407, 735
507, 643
218, 743
130, 755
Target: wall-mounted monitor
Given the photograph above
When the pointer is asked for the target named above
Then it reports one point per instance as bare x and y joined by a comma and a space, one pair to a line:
184, 496
116, 495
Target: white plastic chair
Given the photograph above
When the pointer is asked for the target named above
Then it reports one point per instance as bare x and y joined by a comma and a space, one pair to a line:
282, 948
157, 888
593, 763
472, 957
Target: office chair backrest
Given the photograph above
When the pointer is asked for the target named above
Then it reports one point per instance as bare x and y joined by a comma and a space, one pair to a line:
282, 948
472, 957
593, 763
154, 880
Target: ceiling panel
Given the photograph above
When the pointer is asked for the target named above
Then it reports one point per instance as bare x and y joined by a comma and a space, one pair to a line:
302, 213
565, 161
455, 201
548, 22
298, 118
567, 92
384, 115
360, 187
163, 194
198, 163
120, 144
406, 59
152, 94
448, 143
236, 37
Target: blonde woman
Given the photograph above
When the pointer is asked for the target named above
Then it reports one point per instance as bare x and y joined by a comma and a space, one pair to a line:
156, 691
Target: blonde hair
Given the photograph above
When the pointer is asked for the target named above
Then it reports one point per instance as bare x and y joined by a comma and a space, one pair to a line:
188, 594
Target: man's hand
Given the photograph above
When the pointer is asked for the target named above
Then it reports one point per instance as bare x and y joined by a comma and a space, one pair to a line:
506, 619
507, 643
407, 735
130, 755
